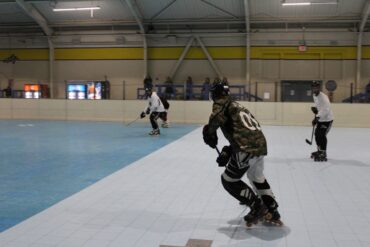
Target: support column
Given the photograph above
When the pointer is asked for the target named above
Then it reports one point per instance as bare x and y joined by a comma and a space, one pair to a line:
210, 59
247, 47
365, 15
359, 61
145, 44
183, 54
51, 67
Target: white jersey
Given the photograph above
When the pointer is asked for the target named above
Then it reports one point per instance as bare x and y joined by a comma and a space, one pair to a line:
322, 104
155, 103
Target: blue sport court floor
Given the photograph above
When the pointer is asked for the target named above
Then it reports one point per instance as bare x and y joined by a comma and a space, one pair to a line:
105, 184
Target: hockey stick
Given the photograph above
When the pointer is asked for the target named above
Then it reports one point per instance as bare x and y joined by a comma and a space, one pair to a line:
313, 130
133, 121
218, 151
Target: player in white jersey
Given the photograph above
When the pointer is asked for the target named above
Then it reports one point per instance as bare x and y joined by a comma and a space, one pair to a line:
156, 109
323, 121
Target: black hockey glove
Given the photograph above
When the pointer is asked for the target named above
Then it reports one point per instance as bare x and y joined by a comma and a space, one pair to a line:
209, 139
142, 115
315, 121
147, 111
314, 110
224, 157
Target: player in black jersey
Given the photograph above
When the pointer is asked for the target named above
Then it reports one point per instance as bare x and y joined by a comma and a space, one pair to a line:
244, 155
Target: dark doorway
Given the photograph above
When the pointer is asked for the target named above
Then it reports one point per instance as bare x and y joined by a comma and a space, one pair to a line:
296, 91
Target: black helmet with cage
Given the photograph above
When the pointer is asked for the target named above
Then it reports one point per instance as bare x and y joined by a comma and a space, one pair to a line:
316, 84
148, 91
316, 87
218, 90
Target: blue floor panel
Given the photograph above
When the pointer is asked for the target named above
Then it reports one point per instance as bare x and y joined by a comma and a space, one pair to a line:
43, 162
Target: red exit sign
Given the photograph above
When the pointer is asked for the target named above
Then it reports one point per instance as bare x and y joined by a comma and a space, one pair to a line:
302, 48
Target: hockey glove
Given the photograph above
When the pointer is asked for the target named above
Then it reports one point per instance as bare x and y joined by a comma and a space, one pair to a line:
315, 121
210, 139
142, 115
314, 110
147, 111
224, 157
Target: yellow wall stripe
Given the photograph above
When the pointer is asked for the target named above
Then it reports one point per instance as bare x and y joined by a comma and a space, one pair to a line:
98, 53
163, 53
25, 54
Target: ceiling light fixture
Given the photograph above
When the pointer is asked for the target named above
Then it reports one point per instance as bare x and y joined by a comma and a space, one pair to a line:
76, 9
296, 4
283, 3
324, 3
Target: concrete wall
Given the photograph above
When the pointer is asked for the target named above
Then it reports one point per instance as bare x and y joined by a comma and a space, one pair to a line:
346, 115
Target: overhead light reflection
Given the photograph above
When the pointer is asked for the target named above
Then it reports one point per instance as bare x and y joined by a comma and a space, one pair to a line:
75, 9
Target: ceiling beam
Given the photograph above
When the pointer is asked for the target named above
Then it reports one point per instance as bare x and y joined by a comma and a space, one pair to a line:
365, 15
35, 14
162, 10
41, 1
209, 57
137, 15
219, 8
183, 54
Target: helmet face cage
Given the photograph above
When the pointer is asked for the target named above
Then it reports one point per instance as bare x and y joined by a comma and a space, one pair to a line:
148, 91
316, 84
218, 90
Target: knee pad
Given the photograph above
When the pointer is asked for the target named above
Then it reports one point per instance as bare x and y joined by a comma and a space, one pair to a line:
238, 189
228, 182
262, 186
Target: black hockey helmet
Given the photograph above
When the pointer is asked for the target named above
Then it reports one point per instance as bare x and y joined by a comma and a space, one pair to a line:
316, 84
148, 91
218, 89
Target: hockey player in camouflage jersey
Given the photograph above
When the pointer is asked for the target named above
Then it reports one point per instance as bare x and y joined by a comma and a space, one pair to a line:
244, 155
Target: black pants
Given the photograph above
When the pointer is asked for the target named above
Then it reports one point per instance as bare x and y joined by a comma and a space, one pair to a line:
154, 117
322, 129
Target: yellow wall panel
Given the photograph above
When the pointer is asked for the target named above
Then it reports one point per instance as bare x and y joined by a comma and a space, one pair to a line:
98, 53
332, 55
366, 52
165, 52
195, 53
271, 56
26, 54
162, 53
301, 56
227, 52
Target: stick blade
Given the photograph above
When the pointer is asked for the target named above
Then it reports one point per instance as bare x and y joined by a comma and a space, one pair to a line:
308, 142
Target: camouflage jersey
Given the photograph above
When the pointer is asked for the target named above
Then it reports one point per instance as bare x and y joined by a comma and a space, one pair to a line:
239, 126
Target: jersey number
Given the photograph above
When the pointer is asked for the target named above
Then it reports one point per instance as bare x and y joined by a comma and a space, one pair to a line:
249, 121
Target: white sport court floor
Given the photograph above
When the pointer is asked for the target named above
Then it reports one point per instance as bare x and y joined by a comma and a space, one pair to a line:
172, 196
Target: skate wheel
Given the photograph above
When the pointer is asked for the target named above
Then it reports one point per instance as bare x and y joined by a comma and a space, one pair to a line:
249, 224
268, 216
275, 222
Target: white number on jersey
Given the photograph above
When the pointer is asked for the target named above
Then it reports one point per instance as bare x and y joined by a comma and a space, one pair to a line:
249, 121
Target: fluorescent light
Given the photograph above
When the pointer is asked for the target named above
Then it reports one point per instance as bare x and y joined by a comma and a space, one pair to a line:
325, 3
76, 9
296, 4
